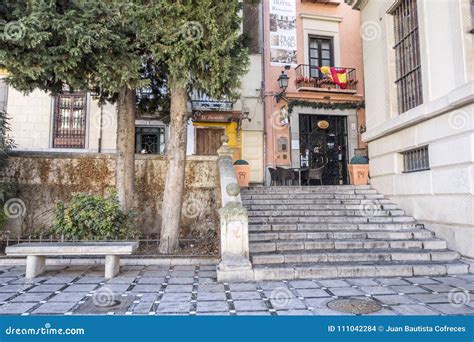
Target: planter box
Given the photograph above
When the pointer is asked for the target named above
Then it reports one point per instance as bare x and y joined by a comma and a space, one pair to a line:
243, 175
359, 174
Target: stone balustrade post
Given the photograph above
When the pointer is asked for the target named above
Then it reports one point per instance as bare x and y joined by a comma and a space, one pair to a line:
235, 264
226, 169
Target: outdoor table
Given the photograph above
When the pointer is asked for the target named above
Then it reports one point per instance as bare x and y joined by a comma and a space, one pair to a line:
299, 169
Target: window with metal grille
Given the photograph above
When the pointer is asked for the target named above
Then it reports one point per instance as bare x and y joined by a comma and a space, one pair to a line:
407, 55
3, 95
150, 140
416, 159
70, 121
472, 16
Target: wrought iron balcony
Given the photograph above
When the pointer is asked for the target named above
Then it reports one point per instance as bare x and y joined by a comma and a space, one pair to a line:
310, 77
202, 102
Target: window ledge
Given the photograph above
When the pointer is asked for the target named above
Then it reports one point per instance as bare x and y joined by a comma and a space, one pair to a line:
457, 98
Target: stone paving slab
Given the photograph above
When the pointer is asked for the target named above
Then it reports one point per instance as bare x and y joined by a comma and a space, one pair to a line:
193, 290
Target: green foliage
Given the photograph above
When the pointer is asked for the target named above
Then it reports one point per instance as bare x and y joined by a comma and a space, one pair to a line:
103, 46
325, 105
89, 217
7, 190
71, 45
359, 160
6, 142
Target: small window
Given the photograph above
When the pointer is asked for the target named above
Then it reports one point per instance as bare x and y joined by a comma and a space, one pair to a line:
3, 95
416, 160
70, 121
150, 140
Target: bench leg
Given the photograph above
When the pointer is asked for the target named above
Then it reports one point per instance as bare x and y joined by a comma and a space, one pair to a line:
112, 266
35, 266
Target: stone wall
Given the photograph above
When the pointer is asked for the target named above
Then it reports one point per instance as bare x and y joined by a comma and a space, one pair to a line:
44, 179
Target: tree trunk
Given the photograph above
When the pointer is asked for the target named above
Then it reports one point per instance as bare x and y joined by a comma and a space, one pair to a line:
176, 155
125, 167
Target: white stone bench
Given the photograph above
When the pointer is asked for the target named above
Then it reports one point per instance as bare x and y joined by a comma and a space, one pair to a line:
36, 254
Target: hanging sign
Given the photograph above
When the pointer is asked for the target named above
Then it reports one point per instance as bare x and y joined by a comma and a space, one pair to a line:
283, 32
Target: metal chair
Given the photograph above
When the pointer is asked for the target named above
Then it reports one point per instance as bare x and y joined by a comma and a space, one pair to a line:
273, 176
316, 174
285, 175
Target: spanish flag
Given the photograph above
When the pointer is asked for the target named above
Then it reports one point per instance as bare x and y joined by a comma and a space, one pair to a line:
337, 75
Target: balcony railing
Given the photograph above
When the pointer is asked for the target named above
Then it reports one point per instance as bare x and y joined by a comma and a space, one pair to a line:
203, 102
310, 77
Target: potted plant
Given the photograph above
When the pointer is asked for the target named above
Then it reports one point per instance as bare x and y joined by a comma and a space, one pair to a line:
242, 170
359, 170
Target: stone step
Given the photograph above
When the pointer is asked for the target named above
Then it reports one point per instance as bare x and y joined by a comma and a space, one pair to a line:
330, 219
249, 202
368, 211
292, 206
330, 188
291, 227
343, 244
352, 255
339, 231
298, 191
343, 235
294, 197
355, 269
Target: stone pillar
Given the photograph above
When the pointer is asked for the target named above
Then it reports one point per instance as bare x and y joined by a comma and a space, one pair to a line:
235, 264
35, 266
112, 266
226, 169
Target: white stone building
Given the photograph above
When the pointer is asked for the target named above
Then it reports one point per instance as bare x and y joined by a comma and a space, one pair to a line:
419, 90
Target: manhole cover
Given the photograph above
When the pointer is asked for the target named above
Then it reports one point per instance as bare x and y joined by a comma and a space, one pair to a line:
112, 302
354, 305
93, 307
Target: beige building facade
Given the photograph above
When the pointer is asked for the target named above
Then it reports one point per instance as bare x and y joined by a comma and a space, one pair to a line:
419, 91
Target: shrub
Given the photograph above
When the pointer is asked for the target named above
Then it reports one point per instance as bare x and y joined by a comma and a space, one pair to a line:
89, 217
241, 162
359, 160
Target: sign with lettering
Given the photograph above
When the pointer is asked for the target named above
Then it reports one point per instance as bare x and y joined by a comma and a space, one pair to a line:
283, 32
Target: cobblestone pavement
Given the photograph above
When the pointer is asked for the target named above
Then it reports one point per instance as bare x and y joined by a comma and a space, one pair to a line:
193, 290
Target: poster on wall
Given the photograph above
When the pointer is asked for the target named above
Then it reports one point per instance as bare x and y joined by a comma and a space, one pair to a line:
283, 32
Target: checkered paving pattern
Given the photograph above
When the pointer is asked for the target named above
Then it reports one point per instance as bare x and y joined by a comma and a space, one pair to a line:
193, 290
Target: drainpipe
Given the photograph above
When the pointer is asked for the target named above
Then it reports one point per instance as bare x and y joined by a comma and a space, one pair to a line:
99, 142
262, 91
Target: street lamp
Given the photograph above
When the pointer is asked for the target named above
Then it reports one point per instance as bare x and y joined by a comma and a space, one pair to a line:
283, 81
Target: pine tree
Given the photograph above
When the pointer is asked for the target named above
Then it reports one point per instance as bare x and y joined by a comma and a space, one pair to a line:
200, 43
60, 46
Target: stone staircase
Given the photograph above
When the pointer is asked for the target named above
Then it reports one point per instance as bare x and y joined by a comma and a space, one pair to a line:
339, 231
